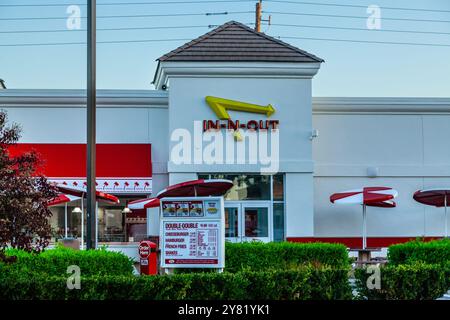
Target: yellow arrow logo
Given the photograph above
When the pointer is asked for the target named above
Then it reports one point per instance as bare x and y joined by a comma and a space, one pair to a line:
220, 107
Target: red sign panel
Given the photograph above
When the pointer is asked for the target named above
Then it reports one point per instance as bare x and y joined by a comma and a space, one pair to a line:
121, 168
113, 160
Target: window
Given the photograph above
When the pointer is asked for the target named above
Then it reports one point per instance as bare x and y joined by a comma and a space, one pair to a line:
254, 187
113, 225
245, 186
278, 222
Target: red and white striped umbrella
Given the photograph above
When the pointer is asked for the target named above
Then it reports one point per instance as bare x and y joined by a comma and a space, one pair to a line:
367, 196
80, 192
143, 203
62, 198
438, 197
194, 188
197, 188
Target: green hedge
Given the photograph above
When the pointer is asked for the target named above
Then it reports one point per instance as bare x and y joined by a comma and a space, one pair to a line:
305, 283
414, 281
258, 256
432, 252
54, 262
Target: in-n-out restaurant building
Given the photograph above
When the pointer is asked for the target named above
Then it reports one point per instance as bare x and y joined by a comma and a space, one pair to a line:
283, 172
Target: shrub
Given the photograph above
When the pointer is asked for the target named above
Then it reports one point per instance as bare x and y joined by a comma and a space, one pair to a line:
305, 283
432, 252
257, 256
415, 281
55, 262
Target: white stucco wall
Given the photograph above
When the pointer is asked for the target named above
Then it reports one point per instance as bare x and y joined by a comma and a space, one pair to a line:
288, 90
290, 97
406, 139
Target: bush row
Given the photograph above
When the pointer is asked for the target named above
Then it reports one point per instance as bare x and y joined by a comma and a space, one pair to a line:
414, 281
302, 284
55, 262
258, 256
432, 252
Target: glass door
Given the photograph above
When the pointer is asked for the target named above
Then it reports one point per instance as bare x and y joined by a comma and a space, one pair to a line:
232, 222
247, 221
256, 222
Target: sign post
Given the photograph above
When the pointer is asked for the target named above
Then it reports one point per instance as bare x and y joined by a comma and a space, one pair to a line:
192, 233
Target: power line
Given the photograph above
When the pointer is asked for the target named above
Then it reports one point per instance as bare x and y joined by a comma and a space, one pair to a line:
105, 29
123, 3
367, 41
359, 29
186, 39
353, 17
211, 26
133, 16
355, 6
84, 43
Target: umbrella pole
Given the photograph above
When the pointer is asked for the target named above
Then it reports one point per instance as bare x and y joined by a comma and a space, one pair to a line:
65, 220
96, 224
82, 222
446, 225
364, 227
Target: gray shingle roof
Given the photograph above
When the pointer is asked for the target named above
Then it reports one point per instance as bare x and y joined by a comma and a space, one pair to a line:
234, 41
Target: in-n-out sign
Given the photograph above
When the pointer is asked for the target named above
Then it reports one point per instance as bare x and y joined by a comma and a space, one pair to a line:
220, 106
236, 125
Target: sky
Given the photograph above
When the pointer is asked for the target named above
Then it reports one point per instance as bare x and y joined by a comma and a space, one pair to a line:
356, 69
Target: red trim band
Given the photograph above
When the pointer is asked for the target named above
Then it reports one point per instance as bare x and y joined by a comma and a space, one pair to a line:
356, 242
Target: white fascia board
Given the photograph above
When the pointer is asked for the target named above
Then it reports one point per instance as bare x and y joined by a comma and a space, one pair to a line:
272, 70
61, 98
384, 105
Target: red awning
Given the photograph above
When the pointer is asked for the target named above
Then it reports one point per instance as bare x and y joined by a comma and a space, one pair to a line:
121, 168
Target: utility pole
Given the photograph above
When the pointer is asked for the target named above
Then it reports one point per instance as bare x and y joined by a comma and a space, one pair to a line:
258, 16
91, 124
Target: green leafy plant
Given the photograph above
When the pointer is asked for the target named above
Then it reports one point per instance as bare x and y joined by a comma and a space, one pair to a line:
283, 255
54, 262
304, 283
414, 281
24, 194
433, 252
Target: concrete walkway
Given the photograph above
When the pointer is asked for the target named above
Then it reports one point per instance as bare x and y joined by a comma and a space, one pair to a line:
445, 296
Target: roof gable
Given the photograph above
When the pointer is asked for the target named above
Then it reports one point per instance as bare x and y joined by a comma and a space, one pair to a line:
234, 41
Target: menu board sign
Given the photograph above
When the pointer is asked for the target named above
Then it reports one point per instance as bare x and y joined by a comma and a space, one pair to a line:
192, 233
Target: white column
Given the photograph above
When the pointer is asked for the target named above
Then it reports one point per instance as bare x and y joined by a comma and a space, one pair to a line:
153, 222
82, 223
299, 205
65, 220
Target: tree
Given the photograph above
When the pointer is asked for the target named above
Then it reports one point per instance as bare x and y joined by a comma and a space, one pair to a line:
24, 194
